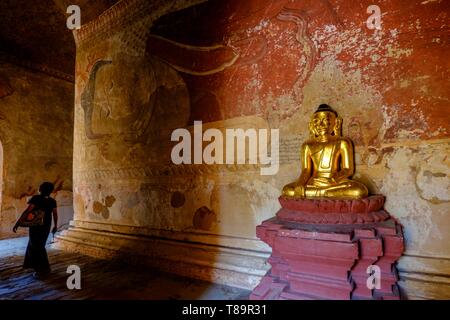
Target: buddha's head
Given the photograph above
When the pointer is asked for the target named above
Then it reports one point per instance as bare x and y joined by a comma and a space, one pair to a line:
325, 123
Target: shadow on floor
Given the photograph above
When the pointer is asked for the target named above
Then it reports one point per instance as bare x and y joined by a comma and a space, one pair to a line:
100, 279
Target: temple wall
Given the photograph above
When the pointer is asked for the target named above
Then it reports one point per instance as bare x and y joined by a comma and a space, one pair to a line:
36, 130
143, 70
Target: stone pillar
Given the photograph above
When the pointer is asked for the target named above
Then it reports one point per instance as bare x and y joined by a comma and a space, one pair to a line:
321, 249
131, 201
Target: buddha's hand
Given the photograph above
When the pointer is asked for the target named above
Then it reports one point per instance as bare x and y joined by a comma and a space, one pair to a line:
340, 176
341, 181
335, 180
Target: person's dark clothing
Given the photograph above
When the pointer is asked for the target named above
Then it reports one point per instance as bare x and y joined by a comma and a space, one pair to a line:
36, 255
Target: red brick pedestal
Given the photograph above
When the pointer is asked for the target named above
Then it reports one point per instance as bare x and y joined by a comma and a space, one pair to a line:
321, 249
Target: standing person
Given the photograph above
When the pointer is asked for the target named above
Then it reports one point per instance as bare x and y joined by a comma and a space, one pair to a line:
36, 255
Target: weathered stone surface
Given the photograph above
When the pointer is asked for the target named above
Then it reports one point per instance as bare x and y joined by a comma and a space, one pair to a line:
37, 32
5, 87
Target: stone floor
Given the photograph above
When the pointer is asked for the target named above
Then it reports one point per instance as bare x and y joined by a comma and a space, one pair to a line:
100, 279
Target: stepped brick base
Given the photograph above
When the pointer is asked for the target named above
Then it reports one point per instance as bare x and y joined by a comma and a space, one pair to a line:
329, 261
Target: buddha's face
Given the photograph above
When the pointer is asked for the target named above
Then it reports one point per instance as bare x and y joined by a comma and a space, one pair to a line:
323, 123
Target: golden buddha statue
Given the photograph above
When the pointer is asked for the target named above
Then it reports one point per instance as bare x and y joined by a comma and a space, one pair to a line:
327, 162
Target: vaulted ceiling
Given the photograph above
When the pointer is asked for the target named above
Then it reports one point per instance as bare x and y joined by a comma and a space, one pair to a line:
36, 30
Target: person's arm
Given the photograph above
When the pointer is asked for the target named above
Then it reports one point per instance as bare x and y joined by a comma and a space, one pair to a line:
27, 210
55, 220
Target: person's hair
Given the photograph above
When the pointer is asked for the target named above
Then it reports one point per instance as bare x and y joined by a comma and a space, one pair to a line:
46, 188
325, 107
